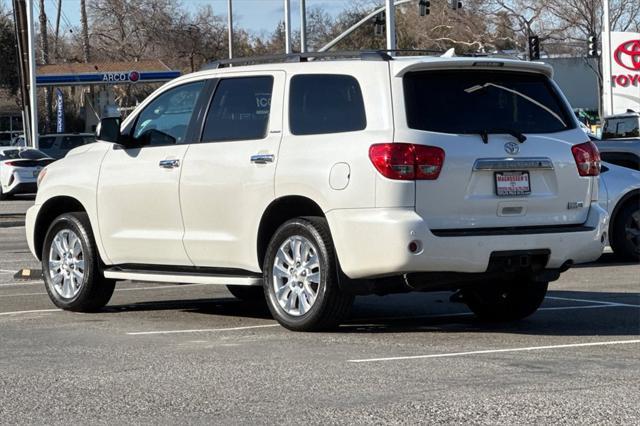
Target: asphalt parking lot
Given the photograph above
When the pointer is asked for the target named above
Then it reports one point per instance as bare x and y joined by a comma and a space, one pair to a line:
163, 353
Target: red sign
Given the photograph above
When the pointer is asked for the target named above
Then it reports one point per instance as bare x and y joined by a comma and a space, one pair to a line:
627, 55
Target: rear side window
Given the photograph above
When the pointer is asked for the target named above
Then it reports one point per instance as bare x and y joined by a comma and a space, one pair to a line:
483, 101
239, 110
623, 127
70, 142
46, 142
324, 103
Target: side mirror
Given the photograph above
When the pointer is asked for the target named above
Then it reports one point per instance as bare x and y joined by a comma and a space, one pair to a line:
108, 130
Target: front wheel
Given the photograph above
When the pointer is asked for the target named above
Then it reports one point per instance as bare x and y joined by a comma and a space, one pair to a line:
301, 277
506, 301
71, 267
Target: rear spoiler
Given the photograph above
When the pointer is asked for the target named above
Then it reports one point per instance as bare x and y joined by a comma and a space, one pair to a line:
401, 68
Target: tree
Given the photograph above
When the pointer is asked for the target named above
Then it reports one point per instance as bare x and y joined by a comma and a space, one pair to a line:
9, 78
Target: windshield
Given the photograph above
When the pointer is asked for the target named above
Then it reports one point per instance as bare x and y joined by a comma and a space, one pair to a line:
466, 102
24, 154
623, 127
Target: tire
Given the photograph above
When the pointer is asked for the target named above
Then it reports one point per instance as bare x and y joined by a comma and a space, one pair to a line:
71, 266
306, 280
625, 238
506, 301
247, 293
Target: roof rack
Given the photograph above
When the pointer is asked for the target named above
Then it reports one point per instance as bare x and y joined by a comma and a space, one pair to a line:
365, 55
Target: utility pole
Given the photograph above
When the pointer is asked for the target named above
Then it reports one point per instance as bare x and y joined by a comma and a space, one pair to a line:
391, 25
57, 35
287, 26
230, 27
303, 26
85, 31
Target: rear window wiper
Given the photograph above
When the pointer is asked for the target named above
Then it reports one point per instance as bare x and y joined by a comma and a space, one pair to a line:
484, 134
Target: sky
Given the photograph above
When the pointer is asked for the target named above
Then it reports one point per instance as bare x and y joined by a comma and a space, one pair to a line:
258, 16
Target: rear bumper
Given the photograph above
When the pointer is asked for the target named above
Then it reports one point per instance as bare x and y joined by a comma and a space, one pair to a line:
374, 242
23, 188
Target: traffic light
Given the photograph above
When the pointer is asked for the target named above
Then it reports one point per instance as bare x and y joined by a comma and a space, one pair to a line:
593, 46
534, 48
455, 4
378, 24
424, 7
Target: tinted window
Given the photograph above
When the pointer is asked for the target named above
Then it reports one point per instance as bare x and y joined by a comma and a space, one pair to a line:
165, 120
624, 127
46, 142
239, 110
70, 142
325, 104
483, 101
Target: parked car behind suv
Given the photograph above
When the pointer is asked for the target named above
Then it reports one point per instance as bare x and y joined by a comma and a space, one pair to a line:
56, 145
620, 142
311, 182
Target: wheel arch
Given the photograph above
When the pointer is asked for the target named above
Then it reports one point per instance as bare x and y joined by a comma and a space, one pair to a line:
627, 198
51, 209
278, 212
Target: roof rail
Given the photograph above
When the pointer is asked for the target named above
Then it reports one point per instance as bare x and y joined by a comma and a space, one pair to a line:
365, 55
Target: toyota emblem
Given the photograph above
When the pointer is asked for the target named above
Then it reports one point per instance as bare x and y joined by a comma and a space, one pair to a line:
511, 148
627, 55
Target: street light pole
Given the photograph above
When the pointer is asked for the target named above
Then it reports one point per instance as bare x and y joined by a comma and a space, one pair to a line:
303, 26
608, 70
287, 26
230, 27
391, 25
32, 75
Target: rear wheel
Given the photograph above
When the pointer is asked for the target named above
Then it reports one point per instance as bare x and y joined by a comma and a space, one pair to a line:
71, 267
246, 293
625, 238
506, 301
301, 277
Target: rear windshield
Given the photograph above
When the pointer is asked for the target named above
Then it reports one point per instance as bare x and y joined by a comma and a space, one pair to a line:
484, 101
623, 127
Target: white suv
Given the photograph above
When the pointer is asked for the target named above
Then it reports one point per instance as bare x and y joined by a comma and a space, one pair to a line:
313, 181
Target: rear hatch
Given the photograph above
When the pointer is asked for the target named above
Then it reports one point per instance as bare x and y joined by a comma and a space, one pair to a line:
507, 137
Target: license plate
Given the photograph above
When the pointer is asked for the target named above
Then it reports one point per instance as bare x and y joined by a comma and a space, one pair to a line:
512, 183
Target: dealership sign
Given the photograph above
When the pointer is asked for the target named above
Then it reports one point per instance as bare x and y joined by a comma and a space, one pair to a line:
621, 71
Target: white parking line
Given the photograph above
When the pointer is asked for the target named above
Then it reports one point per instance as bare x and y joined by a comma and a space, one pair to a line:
592, 301
493, 351
5, 271
203, 330
35, 311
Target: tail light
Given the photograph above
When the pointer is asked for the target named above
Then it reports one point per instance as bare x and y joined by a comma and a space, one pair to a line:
404, 161
12, 163
587, 158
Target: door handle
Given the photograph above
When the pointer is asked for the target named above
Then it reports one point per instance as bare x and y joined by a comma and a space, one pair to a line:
169, 164
262, 158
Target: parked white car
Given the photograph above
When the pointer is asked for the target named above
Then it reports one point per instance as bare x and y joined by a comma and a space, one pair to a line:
310, 182
620, 195
19, 170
